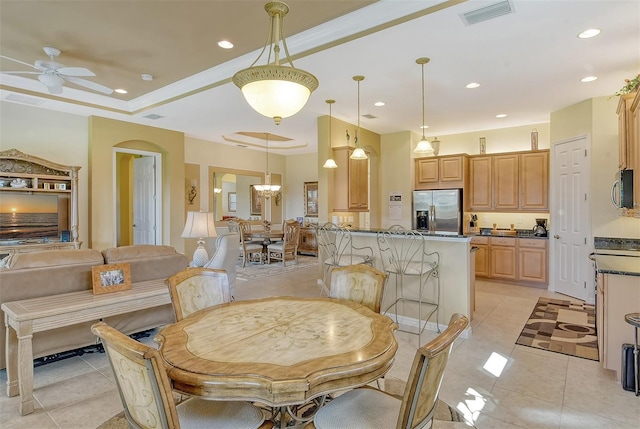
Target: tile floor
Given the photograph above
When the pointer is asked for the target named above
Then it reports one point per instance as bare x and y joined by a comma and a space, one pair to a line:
492, 381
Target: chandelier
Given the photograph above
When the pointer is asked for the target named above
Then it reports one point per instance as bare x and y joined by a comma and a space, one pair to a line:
358, 152
267, 190
330, 163
275, 90
423, 145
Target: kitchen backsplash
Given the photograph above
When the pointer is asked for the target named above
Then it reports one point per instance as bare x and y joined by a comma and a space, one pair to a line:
504, 220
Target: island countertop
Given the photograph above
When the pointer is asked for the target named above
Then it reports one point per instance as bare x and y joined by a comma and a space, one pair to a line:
623, 265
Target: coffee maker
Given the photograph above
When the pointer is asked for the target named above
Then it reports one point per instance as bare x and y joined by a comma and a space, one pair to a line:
540, 229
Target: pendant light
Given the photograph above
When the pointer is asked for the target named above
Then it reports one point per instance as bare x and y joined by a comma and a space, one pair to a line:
423, 147
267, 190
275, 90
330, 163
358, 152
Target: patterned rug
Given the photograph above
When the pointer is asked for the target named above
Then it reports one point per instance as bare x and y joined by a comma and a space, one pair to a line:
254, 270
562, 326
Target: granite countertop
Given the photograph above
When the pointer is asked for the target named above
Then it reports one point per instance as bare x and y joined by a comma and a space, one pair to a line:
617, 264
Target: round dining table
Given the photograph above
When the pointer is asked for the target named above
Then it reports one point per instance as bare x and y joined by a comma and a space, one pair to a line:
280, 351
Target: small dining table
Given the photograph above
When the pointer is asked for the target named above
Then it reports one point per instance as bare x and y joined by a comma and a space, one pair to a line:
279, 351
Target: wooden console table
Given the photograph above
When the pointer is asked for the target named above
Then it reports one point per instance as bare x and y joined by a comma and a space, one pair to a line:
24, 318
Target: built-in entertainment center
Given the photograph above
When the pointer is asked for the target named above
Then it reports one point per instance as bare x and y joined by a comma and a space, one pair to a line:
38, 204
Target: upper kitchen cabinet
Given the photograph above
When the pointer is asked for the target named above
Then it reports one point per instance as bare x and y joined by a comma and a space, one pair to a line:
625, 131
351, 180
509, 182
635, 149
444, 172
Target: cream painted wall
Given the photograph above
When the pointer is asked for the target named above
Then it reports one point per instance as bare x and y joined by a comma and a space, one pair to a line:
597, 118
104, 135
55, 136
396, 165
299, 169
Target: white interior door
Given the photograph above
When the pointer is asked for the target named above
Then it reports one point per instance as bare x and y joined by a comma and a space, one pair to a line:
569, 229
144, 196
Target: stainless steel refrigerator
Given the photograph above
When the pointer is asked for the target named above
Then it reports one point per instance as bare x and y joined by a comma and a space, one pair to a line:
438, 211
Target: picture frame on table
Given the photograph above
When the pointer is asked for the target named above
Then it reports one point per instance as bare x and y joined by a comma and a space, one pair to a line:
311, 199
111, 278
256, 201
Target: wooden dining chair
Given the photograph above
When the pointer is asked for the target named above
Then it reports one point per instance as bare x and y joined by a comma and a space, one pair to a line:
288, 245
359, 283
368, 407
193, 289
249, 249
145, 391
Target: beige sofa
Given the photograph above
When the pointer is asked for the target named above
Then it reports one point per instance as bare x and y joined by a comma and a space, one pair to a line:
52, 272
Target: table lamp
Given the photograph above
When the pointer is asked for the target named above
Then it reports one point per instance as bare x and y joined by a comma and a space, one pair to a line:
199, 225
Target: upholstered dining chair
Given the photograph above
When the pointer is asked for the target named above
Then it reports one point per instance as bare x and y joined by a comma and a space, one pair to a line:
145, 391
288, 245
249, 249
368, 407
359, 283
336, 249
226, 258
193, 289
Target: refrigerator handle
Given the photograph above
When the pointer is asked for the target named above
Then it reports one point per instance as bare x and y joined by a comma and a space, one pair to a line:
432, 216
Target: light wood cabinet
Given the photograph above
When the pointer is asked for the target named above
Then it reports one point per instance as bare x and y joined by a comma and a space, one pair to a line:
308, 243
481, 256
635, 151
532, 260
503, 260
351, 182
444, 172
625, 131
509, 182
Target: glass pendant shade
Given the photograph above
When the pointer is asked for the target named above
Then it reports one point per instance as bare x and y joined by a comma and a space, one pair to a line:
267, 189
358, 152
275, 90
330, 163
423, 146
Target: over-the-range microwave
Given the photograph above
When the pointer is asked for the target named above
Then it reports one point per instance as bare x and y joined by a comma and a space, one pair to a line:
622, 190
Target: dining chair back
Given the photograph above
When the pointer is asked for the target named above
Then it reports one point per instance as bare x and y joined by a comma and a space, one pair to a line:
193, 289
226, 258
359, 283
289, 244
336, 249
145, 391
250, 249
232, 225
372, 408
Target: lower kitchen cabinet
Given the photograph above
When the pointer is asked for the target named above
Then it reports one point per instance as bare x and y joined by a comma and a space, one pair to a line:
308, 242
532, 260
481, 256
503, 258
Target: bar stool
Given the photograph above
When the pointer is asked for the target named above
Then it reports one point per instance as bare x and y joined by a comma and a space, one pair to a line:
634, 320
404, 254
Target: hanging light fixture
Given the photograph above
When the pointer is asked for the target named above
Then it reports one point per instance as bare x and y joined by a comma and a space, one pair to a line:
267, 190
358, 152
330, 163
274, 90
423, 146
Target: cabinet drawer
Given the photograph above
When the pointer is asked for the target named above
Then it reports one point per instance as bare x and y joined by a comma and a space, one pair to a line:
480, 240
532, 242
502, 241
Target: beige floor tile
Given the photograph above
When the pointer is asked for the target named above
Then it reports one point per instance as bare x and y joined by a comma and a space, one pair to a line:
93, 412
577, 419
523, 410
74, 390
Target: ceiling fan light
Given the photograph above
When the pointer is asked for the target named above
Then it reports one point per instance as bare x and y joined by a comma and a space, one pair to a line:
330, 163
358, 153
50, 79
423, 146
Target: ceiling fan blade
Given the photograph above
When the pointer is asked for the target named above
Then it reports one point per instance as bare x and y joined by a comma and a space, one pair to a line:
75, 71
18, 72
88, 84
18, 61
55, 89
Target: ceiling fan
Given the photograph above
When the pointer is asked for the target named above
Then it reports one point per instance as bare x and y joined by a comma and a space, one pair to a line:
52, 74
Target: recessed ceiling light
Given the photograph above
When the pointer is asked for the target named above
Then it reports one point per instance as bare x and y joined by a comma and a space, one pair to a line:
501, 115
424, 126
379, 103
225, 44
146, 77
589, 79
121, 91
587, 34
472, 85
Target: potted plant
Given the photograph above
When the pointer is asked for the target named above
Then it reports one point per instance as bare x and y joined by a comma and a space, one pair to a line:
631, 85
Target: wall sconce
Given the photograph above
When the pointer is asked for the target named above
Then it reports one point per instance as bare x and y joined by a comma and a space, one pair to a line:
217, 190
193, 192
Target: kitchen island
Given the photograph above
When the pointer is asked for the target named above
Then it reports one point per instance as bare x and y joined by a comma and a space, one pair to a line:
455, 273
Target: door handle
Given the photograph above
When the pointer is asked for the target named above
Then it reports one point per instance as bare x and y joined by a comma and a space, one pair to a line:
134, 225
556, 236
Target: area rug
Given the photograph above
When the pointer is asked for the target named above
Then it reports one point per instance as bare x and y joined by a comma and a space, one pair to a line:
254, 270
562, 326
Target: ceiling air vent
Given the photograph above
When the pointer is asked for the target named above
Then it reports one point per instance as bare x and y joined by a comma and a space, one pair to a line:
487, 12
24, 99
153, 116
369, 116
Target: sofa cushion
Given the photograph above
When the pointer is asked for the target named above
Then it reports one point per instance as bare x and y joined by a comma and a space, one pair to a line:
54, 258
138, 251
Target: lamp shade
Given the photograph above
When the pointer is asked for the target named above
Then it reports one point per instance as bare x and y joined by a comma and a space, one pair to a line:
199, 225
423, 146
